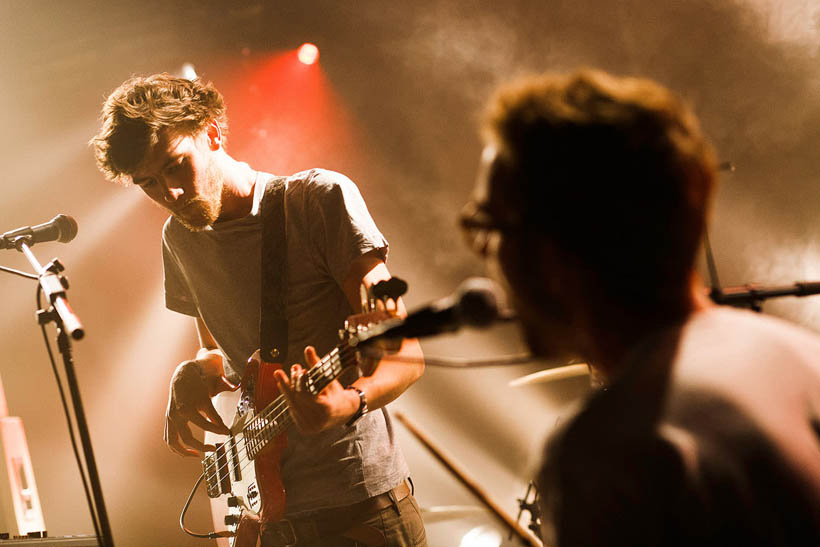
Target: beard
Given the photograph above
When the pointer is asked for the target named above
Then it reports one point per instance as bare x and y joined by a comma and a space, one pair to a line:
203, 210
547, 320
548, 338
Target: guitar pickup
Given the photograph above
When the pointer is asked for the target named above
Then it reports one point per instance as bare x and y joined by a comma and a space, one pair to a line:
215, 467
211, 471
222, 464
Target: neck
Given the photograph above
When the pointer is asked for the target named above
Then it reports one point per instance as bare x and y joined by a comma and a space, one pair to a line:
238, 182
612, 339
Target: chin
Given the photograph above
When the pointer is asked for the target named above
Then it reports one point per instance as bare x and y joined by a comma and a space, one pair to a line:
197, 214
547, 338
546, 346
193, 227
194, 223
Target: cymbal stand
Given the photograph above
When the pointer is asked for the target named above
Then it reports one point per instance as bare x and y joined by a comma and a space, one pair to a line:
531, 506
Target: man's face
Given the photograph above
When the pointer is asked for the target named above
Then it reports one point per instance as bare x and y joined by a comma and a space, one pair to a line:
525, 262
180, 174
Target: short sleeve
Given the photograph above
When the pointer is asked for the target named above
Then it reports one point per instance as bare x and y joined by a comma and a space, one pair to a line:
343, 229
178, 295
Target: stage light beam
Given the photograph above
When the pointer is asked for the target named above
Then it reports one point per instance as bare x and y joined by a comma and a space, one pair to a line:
308, 54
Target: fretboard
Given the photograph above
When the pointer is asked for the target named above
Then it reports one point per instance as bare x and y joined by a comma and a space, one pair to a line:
275, 418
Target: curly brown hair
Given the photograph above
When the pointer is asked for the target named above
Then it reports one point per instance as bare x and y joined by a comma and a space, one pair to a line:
141, 108
615, 171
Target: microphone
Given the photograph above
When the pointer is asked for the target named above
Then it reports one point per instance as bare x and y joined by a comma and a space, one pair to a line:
61, 228
474, 303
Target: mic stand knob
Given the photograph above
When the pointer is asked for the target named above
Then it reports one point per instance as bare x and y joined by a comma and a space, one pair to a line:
19, 241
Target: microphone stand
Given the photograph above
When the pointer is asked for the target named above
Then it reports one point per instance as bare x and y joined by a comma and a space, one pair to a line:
68, 325
752, 296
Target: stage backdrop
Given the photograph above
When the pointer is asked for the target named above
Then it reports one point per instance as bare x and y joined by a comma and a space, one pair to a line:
395, 103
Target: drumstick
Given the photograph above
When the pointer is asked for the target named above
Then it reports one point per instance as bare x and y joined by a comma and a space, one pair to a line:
525, 535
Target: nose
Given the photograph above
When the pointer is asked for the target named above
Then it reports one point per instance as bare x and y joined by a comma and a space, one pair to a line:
171, 193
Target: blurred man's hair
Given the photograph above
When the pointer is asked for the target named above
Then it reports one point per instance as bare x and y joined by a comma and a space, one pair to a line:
614, 171
137, 112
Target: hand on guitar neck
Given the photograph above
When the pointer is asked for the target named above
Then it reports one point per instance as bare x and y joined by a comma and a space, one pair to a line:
334, 405
192, 386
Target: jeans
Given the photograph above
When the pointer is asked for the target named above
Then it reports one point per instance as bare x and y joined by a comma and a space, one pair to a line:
401, 524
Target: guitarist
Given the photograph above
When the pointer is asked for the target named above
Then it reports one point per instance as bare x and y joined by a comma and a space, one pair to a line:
345, 477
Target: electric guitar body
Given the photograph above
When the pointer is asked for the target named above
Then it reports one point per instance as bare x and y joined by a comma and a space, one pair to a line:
262, 493
247, 465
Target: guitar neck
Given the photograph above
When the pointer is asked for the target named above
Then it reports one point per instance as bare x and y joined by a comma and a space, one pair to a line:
329, 368
275, 418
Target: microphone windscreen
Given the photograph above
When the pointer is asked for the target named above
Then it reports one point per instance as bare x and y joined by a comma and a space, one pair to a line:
478, 302
67, 227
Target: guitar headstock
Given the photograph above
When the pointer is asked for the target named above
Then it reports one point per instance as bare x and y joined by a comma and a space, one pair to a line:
379, 306
384, 295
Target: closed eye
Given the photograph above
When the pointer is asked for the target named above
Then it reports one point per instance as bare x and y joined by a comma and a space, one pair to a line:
146, 183
175, 166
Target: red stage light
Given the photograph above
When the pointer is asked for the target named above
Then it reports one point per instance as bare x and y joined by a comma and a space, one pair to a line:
308, 54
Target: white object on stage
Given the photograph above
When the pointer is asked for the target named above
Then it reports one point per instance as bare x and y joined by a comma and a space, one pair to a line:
20, 511
551, 375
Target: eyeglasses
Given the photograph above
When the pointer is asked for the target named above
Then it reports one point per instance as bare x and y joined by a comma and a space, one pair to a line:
479, 226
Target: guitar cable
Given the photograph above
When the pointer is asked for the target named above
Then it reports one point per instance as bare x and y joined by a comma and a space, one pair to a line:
277, 411
211, 535
71, 435
280, 415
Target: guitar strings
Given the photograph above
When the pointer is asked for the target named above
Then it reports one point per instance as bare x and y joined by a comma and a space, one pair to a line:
282, 419
280, 407
258, 423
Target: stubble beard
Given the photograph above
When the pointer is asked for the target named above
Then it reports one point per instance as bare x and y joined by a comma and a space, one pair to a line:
544, 320
203, 210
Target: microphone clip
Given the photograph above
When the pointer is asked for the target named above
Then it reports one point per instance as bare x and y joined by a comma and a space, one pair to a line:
17, 242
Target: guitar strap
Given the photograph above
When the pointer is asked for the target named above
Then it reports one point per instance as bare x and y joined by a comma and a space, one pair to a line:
273, 320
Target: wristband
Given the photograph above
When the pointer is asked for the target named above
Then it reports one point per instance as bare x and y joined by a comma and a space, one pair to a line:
362, 410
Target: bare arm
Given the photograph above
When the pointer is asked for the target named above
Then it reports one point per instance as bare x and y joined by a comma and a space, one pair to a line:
386, 381
193, 383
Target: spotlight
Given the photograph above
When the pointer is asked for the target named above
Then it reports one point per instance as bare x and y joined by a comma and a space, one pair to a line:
308, 54
187, 71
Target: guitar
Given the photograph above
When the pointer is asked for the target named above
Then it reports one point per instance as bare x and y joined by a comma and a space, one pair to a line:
246, 466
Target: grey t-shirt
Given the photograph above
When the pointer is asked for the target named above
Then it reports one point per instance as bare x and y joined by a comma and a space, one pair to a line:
215, 274
708, 437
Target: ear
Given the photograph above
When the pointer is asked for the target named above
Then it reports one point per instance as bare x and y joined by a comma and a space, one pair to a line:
214, 134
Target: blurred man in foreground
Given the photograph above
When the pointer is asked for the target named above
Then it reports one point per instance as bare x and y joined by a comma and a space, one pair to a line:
592, 201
